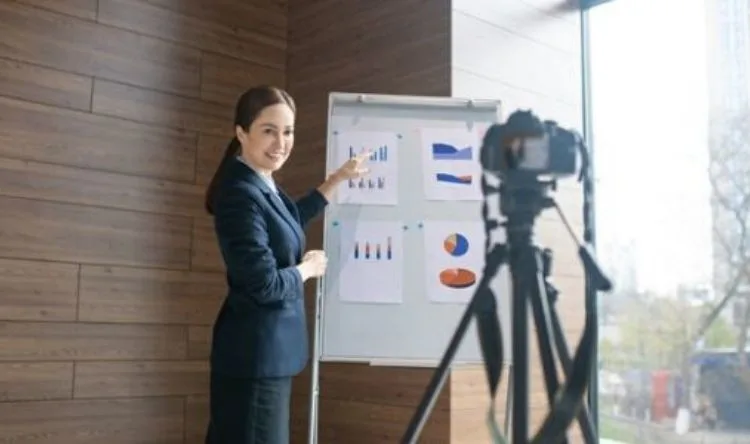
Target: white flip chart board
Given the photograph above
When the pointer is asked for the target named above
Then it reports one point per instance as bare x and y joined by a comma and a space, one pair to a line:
406, 243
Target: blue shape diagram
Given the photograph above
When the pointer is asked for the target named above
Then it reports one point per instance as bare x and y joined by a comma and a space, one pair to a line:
446, 151
452, 178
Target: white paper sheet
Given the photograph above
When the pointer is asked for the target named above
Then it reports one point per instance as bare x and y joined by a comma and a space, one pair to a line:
372, 262
380, 186
452, 170
454, 258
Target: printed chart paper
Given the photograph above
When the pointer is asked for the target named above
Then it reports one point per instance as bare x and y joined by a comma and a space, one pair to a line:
454, 258
372, 263
451, 160
380, 185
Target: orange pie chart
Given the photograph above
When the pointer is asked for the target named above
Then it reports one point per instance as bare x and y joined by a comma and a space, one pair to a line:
457, 278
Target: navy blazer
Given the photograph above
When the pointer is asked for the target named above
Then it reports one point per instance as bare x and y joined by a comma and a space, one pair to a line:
261, 329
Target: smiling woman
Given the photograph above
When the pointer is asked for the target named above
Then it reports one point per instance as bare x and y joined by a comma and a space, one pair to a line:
260, 336
268, 141
255, 113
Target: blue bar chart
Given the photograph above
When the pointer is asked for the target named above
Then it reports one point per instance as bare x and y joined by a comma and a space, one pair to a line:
379, 186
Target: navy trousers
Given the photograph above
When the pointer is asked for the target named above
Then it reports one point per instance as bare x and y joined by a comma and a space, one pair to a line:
249, 411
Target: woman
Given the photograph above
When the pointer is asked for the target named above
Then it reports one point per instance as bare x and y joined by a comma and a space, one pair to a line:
260, 339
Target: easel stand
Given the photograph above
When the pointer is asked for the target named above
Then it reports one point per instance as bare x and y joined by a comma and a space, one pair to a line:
312, 430
529, 270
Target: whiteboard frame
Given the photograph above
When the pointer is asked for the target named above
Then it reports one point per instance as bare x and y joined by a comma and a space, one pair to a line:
342, 98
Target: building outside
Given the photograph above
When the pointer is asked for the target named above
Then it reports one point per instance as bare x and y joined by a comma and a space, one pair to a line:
728, 33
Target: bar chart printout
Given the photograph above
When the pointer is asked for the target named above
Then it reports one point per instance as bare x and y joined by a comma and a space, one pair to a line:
380, 186
371, 257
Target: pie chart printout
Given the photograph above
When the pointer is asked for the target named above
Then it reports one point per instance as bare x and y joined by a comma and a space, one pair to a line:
456, 244
454, 254
457, 278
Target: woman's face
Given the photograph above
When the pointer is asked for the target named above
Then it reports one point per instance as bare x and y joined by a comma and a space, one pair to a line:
267, 144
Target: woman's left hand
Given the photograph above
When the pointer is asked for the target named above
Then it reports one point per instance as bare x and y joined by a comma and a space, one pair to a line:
354, 168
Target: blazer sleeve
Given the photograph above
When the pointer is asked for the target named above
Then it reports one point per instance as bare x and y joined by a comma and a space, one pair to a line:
310, 206
243, 234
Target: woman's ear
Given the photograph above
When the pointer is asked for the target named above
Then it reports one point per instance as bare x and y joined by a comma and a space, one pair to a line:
240, 133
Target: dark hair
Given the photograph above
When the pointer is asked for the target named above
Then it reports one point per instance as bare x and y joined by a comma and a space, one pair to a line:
249, 106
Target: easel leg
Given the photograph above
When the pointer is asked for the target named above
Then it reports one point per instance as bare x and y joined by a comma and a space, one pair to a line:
312, 429
508, 401
509, 379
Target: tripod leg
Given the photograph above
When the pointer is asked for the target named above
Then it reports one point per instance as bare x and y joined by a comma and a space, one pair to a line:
520, 357
550, 293
540, 312
495, 261
584, 416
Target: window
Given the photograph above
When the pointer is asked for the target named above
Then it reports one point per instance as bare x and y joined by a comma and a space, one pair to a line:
670, 106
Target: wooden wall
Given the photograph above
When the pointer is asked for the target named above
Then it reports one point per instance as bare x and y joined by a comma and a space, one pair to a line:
394, 47
528, 55
112, 116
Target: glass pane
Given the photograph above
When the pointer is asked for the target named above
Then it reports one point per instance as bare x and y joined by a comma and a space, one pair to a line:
670, 88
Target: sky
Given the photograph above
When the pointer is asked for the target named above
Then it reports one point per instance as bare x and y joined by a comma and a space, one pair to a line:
650, 128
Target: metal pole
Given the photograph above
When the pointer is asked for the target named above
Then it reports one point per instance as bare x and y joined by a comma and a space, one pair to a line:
312, 430
588, 136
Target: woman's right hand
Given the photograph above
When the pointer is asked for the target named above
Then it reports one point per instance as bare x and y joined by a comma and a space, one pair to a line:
313, 264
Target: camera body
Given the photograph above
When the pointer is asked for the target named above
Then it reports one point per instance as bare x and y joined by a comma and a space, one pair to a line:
527, 146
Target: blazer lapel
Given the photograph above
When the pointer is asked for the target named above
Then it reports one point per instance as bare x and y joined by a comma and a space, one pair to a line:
286, 214
279, 203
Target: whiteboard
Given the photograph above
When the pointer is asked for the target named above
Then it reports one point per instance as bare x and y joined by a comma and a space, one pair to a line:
385, 299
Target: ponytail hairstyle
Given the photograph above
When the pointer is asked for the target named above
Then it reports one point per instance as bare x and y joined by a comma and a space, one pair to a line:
249, 106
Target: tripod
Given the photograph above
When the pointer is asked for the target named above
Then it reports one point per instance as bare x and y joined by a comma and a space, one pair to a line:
529, 270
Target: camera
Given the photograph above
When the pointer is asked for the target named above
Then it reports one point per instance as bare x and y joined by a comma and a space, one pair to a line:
525, 145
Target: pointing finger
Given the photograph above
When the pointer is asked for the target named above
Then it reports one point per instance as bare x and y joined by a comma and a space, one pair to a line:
363, 156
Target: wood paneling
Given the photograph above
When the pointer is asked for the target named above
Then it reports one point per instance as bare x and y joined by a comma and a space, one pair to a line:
112, 294
81, 341
38, 291
54, 135
114, 115
376, 47
85, 9
238, 42
196, 412
94, 421
31, 381
43, 181
35, 229
223, 79
264, 17
206, 255
167, 110
43, 85
210, 151
199, 342
160, 378
67, 43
